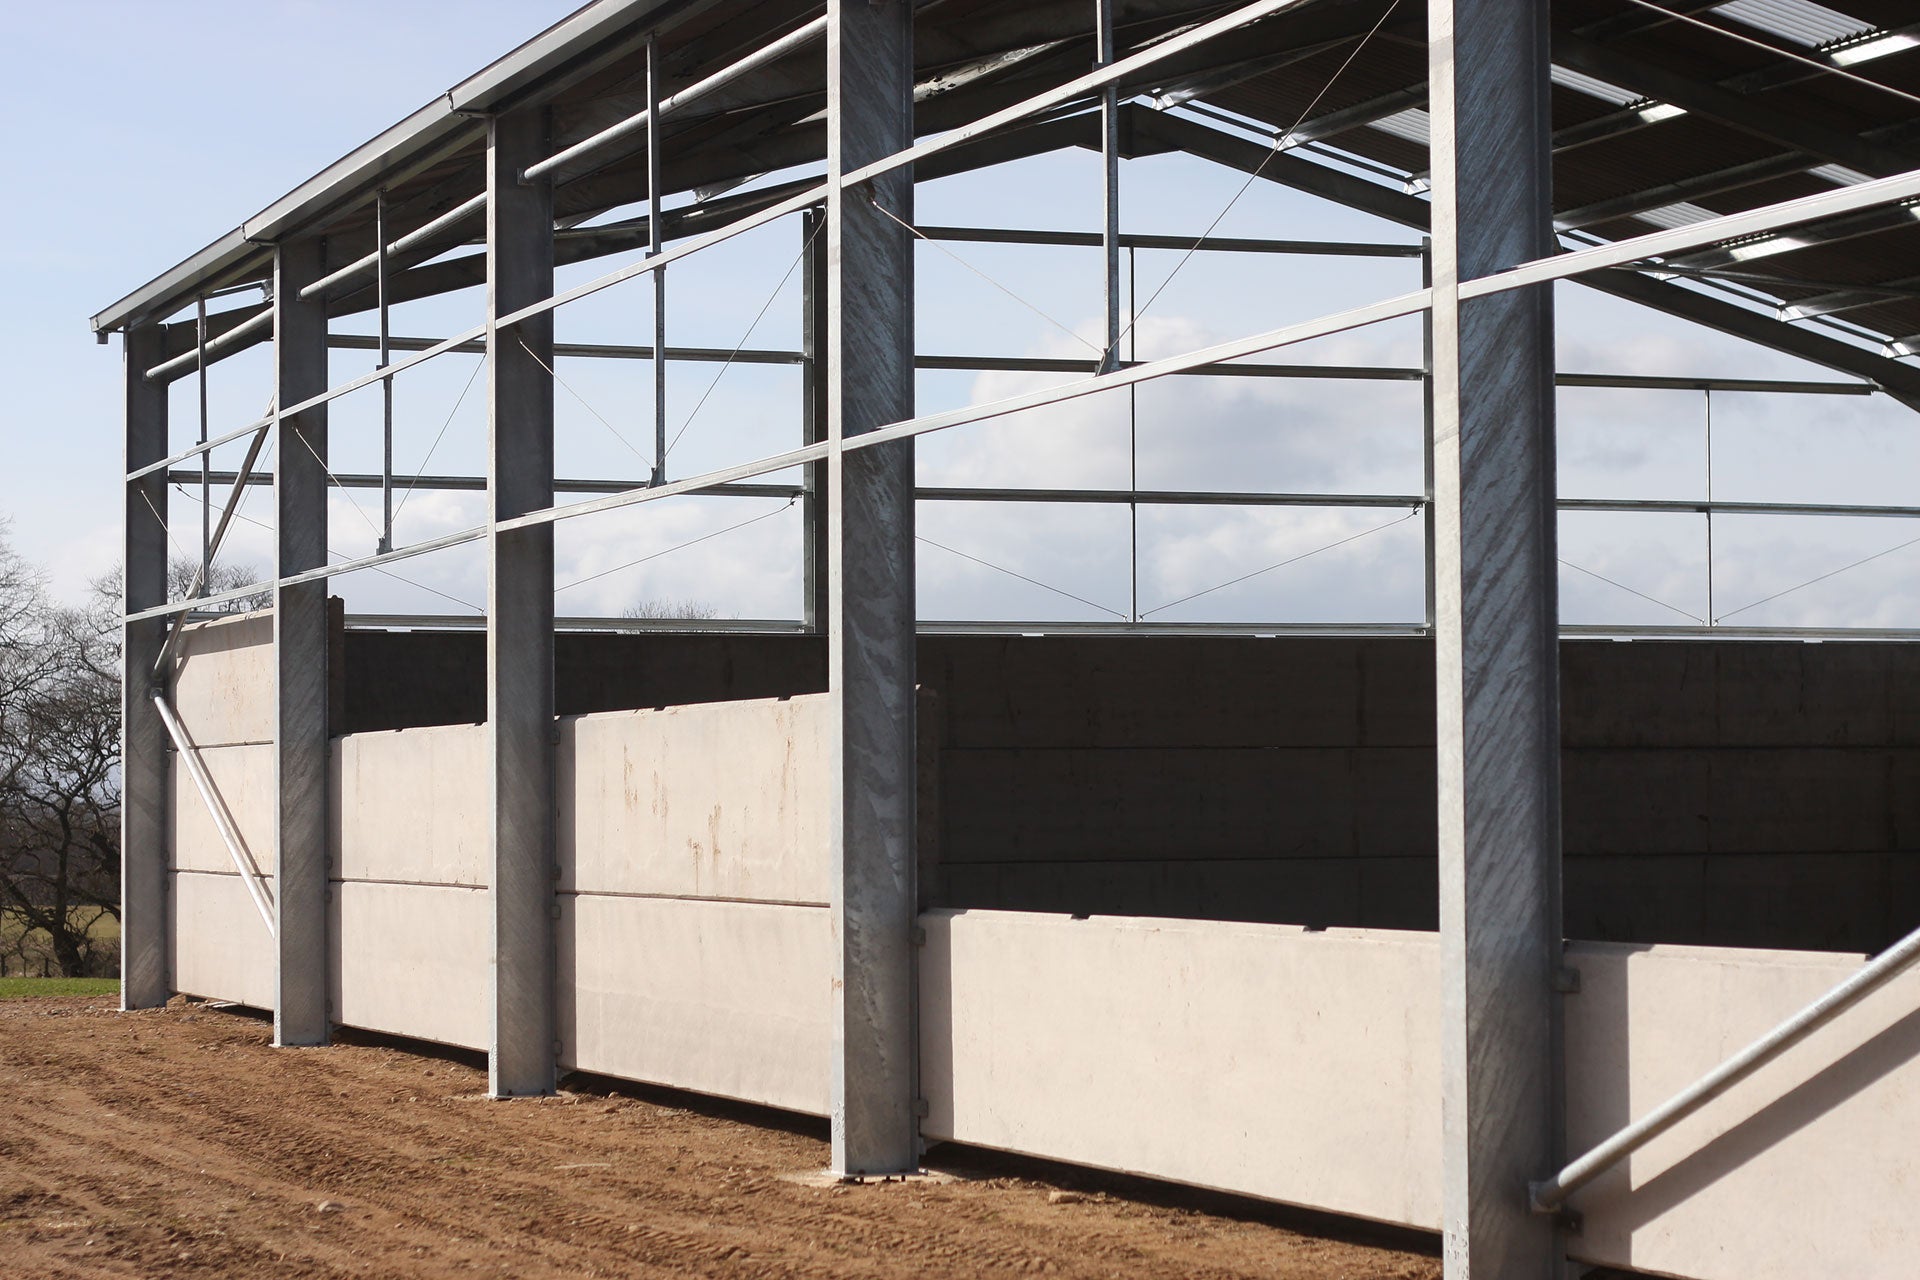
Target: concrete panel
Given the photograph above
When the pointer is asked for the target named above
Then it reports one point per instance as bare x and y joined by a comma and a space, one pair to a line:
1636, 802
1076, 804
404, 679
411, 960
1643, 693
725, 800
223, 680
1171, 691
411, 805
1396, 691
1304, 891
1785, 694
725, 998
1800, 800
1806, 1169
243, 782
1253, 1058
220, 946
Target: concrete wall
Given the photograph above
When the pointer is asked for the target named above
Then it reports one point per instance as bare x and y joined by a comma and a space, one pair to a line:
1302, 1067
1807, 1169
1760, 786
1260, 1059
221, 689
1292, 780
410, 919
694, 935
694, 879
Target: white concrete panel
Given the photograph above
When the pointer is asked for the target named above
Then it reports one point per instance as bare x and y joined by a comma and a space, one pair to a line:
1261, 1059
220, 946
1809, 1168
725, 998
718, 800
412, 805
243, 783
412, 960
223, 680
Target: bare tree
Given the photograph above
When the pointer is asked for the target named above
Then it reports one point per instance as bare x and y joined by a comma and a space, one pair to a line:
60, 760
59, 768
690, 610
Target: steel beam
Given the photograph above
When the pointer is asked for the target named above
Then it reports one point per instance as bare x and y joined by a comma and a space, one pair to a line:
520, 724
1496, 636
1791, 131
144, 979
1900, 380
870, 672
300, 651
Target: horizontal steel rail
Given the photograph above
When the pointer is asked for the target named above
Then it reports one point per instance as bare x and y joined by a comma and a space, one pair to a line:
582, 350
1548, 1195
793, 40
1182, 244
1689, 631
1145, 497
1568, 631
925, 493
1687, 506
1047, 364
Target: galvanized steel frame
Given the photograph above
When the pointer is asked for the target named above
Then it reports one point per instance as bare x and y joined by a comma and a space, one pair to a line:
1490, 438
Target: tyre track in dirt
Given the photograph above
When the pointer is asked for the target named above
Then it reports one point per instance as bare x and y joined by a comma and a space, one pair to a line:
178, 1142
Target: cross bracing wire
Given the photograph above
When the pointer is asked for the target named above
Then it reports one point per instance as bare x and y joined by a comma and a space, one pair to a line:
1632, 592
1832, 573
1279, 144
682, 546
1064, 328
746, 337
584, 402
998, 568
438, 436
1304, 555
385, 573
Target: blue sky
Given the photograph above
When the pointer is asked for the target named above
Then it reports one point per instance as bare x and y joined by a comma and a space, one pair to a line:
139, 132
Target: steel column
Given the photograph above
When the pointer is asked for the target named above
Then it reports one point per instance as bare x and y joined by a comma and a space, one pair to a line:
144, 979
300, 651
654, 244
1496, 636
385, 357
871, 588
520, 724
1109, 184
813, 421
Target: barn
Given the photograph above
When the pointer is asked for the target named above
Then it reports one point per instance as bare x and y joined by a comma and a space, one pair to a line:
1585, 945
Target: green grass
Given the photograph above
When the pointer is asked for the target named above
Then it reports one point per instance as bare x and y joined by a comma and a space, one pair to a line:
27, 988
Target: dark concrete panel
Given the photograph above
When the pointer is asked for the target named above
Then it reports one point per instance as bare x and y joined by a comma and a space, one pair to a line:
1647, 693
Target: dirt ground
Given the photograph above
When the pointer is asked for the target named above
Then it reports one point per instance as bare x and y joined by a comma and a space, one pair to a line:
178, 1143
